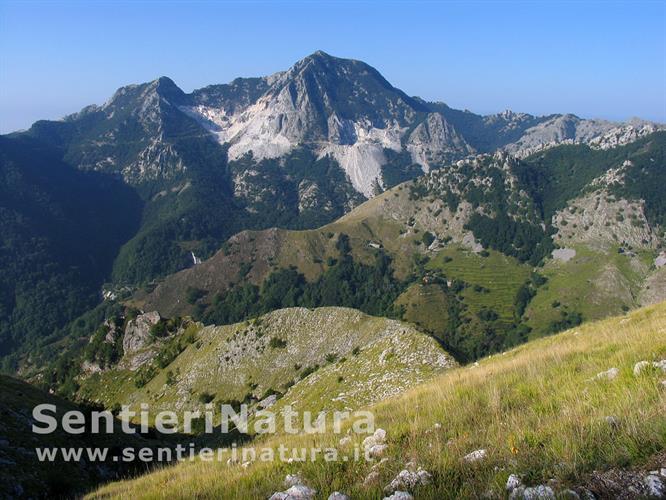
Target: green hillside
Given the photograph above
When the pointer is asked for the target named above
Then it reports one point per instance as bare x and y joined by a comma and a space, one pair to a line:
295, 354
453, 265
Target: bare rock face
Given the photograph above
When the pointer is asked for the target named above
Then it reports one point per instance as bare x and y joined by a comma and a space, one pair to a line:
90, 368
137, 332
569, 129
434, 141
654, 288
624, 134
113, 333
310, 198
586, 220
564, 254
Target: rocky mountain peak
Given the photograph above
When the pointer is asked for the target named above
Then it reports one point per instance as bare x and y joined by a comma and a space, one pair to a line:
339, 107
318, 57
165, 87
349, 88
131, 98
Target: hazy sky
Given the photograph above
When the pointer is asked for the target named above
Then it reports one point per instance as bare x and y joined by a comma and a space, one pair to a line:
595, 59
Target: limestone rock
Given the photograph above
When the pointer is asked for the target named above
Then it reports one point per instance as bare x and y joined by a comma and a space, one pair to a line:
609, 374
476, 456
639, 367
292, 480
513, 482
296, 492
336, 495
540, 492
407, 480
655, 486
137, 332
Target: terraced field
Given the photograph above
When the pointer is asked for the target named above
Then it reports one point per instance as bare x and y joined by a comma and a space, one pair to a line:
494, 280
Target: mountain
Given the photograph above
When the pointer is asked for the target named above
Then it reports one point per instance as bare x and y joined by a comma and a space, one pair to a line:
514, 417
295, 150
338, 107
522, 134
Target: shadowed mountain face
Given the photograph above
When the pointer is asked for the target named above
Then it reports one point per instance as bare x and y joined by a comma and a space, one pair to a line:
62, 228
170, 176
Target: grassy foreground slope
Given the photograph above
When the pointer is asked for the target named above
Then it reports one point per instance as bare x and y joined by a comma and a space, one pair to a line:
539, 410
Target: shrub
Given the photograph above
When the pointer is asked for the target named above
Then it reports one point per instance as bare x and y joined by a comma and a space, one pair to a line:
427, 238
192, 295
159, 329
206, 397
487, 315
331, 357
277, 343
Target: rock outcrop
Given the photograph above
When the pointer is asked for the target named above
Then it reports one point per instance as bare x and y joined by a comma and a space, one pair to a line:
137, 332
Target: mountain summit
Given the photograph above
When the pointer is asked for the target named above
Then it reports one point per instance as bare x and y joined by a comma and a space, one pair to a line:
338, 107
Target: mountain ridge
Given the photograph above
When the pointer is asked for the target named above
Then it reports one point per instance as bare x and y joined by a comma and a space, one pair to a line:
307, 103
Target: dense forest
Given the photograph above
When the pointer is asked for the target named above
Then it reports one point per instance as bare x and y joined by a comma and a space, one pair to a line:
369, 288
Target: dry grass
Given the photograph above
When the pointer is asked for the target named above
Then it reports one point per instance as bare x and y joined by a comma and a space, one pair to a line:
536, 409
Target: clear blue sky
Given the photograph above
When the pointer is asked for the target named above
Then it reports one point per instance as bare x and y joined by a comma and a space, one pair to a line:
595, 59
